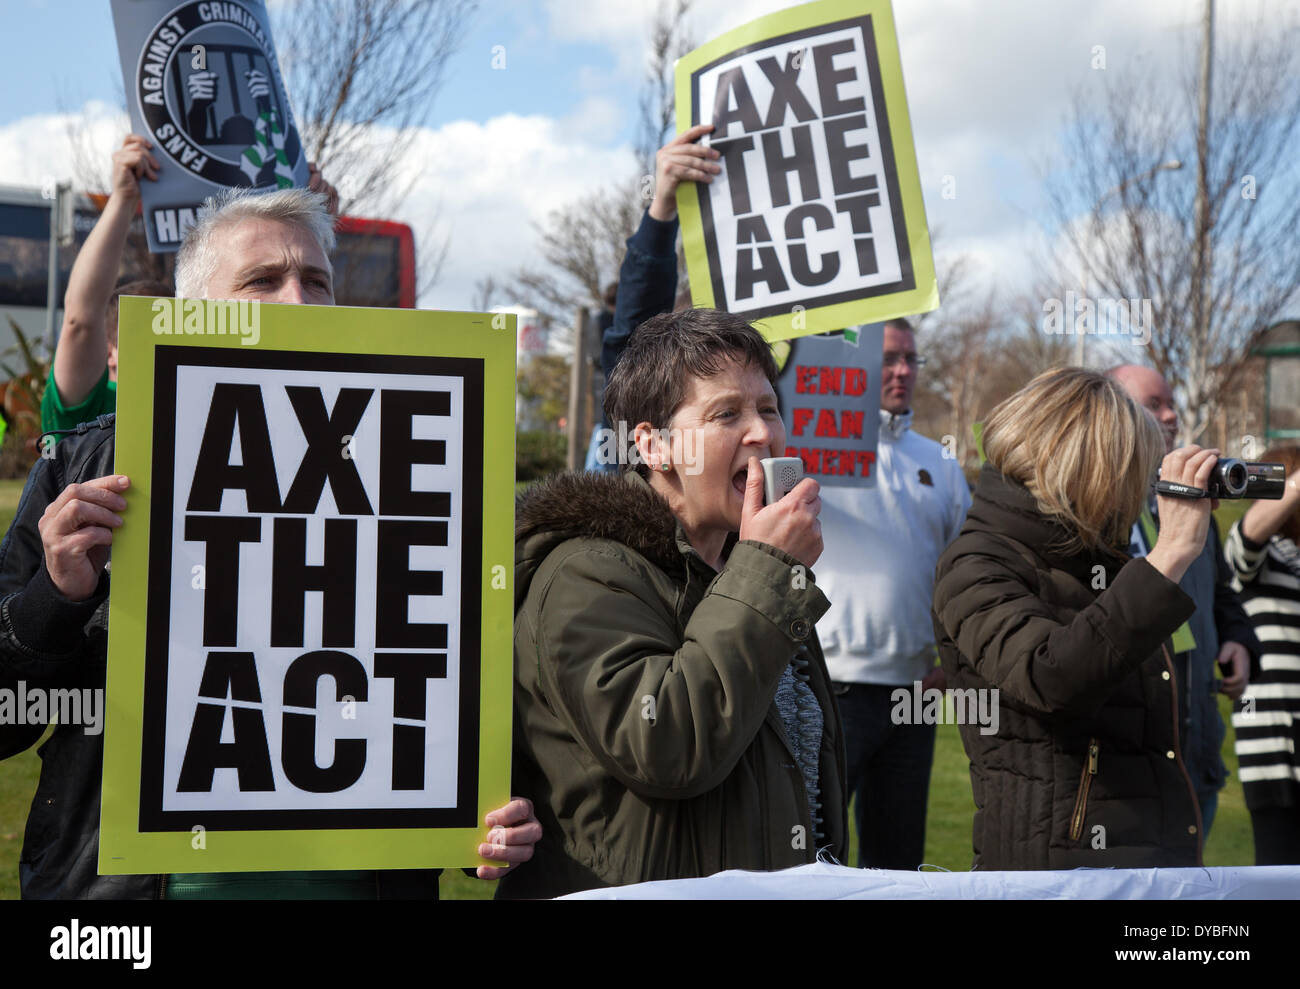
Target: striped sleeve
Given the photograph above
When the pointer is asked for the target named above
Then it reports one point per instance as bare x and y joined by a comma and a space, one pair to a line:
1266, 718
1245, 556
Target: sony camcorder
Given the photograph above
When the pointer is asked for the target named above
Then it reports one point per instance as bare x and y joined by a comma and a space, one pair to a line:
1234, 479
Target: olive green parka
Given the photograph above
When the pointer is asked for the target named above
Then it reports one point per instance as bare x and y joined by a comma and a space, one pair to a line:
645, 729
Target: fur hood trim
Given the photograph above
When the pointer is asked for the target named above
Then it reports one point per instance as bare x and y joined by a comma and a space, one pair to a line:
623, 508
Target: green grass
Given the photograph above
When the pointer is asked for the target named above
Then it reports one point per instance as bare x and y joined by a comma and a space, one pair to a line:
1229, 512
951, 808
10, 492
948, 831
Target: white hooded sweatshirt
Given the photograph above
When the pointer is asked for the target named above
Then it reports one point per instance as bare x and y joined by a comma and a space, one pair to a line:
881, 548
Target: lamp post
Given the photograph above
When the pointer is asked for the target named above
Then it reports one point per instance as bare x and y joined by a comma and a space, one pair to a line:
61, 235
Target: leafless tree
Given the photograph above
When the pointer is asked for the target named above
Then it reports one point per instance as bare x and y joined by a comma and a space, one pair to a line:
1030, 352
670, 39
1128, 214
980, 345
486, 291
362, 76
581, 248
582, 245
964, 357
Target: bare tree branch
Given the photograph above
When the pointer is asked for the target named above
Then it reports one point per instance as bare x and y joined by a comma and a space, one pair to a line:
582, 248
362, 77
669, 41
1128, 227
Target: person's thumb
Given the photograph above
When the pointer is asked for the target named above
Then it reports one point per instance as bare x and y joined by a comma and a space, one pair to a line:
753, 491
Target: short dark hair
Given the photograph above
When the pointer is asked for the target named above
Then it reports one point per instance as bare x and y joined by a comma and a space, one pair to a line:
899, 323
650, 380
143, 286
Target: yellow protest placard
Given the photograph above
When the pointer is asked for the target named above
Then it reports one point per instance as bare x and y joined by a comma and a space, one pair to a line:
309, 661
816, 222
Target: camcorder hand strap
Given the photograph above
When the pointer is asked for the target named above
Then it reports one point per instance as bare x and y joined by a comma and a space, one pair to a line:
1173, 489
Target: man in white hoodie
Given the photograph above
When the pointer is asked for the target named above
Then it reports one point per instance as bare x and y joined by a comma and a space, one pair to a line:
877, 570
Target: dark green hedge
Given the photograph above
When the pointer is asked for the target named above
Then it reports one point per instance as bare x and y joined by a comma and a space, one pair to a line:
538, 453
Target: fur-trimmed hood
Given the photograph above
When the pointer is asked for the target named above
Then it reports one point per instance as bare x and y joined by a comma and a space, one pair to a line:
620, 507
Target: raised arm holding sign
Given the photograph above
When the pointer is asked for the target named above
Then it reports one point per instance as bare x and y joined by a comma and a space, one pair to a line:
816, 221
82, 383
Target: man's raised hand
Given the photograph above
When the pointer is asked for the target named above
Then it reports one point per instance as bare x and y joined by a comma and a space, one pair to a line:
316, 183
132, 162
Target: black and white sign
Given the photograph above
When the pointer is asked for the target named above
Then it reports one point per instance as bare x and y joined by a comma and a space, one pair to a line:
808, 210
203, 84
315, 663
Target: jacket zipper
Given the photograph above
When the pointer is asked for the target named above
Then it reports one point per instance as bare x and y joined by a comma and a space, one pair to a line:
162, 886
1085, 784
1178, 754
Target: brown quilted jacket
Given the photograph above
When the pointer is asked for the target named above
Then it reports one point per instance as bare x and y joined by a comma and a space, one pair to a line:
1084, 769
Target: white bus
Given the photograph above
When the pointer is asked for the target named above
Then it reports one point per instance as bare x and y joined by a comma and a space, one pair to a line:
25, 260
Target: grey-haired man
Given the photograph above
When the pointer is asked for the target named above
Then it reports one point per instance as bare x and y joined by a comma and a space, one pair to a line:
272, 247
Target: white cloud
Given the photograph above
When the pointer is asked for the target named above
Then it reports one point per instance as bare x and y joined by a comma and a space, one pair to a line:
487, 184
625, 27
37, 147
482, 184
595, 118
598, 21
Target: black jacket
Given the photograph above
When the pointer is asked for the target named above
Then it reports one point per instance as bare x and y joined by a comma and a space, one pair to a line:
647, 285
49, 642
1084, 769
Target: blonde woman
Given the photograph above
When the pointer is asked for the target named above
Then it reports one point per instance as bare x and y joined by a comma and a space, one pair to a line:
1038, 599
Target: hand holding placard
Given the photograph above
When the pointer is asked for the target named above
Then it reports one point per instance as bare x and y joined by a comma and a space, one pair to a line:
682, 159
816, 221
77, 531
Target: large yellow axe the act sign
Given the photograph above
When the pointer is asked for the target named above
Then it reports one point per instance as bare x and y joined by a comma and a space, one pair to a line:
310, 620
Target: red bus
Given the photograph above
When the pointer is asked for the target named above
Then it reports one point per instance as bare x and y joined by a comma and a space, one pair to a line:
374, 264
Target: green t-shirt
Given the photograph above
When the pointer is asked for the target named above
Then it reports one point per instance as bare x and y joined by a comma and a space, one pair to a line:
353, 885
55, 415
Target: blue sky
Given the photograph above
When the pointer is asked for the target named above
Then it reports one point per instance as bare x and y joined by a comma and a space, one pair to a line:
988, 86
545, 73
